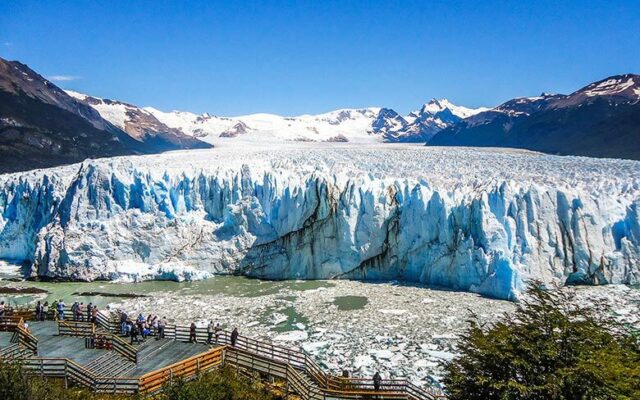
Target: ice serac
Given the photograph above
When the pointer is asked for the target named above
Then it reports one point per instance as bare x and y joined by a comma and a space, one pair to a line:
338, 212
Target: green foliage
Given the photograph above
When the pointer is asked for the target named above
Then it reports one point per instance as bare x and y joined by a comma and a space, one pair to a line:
217, 385
15, 385
550, 348
220, 385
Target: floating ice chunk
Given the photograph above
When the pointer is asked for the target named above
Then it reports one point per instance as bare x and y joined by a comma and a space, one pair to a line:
314, 347
292, 336
443, 355
393, 312
363, 361
382, 354
277, 318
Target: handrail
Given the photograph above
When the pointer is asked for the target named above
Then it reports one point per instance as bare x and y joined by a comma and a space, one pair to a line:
125, 349
9, 323
26, 339
185, 369
76, 328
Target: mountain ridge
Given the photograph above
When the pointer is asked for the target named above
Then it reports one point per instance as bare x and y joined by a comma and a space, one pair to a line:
601, 119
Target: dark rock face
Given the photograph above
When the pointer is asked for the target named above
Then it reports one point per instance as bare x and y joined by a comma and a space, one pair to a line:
599, 120
42, 126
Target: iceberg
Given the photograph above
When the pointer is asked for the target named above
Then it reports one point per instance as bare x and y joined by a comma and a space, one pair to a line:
480, 220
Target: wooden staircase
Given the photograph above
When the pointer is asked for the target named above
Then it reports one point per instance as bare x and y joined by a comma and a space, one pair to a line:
110, 364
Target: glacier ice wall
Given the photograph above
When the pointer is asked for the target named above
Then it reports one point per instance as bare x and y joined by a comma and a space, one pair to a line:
98, 219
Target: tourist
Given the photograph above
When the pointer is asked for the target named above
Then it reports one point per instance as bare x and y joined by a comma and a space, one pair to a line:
74, 310
61, 310
80, 311
45, 310
39, 311
160, 329
90, 312
123, 322
217, 331
210, 329
127, 327
192, 333
94, 314
234, 337
54, 309
134, 334
141, 323
154, 325
2, 308
377, 380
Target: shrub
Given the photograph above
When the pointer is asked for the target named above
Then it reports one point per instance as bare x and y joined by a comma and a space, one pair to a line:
224, 384
550, 348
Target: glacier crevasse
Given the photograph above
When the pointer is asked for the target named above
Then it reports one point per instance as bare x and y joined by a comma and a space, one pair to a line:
89, 221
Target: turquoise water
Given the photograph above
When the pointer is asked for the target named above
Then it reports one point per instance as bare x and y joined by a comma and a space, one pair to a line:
226, 285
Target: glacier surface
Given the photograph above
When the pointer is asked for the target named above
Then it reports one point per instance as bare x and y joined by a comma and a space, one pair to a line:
480, 220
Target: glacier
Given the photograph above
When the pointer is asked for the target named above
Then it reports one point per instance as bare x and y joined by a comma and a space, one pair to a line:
482, 220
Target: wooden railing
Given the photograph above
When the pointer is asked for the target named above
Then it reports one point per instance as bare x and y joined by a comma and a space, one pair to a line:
123, 348
105, 321
10, 323
79, 375
26, 339
184, 369
75, 328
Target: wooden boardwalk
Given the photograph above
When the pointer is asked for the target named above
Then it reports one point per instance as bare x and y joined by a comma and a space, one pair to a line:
64, 349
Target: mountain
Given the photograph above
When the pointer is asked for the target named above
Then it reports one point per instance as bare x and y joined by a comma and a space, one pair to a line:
42, 126
365, 125
601, 119
140, 124
422, 125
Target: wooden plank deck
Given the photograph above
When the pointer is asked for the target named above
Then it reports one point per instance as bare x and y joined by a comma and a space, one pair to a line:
152, 354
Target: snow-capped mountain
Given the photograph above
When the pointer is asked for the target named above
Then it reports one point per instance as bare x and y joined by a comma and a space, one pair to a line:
422, 124
136, 122
601, 119
353, 125
468, 219
366, 125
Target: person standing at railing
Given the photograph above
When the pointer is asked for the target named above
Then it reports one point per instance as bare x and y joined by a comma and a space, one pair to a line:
2, 309
210, 329
80, 312
123, 322
39, 311
234, 337
45, 310
134, 334
161, 326
217, 330
74, 311
377, 381
90, 312
192, 333
94, 314
61, 310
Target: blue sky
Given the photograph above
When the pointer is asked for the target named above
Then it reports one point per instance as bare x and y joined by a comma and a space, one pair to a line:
240, 57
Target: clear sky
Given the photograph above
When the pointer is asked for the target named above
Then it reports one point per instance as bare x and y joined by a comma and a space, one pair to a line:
239, 57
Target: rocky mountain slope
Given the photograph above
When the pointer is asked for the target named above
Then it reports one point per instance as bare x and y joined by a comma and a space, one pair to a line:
601, 119
42, 126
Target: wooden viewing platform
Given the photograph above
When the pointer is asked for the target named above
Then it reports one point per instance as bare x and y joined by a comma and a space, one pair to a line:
63, 349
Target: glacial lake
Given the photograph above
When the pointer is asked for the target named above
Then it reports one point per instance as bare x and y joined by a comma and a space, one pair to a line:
401, 330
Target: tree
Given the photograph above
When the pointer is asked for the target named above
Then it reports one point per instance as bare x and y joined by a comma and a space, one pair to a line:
549, 348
